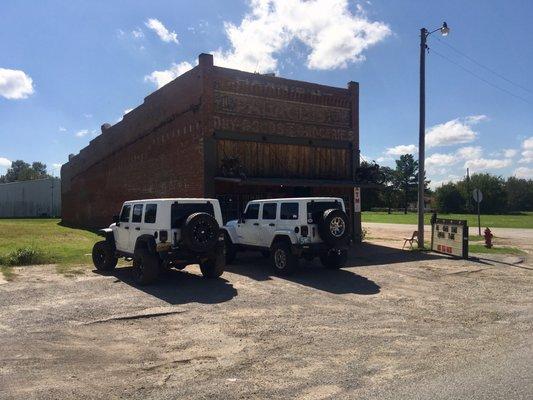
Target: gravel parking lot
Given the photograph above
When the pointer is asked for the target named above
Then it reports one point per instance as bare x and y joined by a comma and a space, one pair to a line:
389, 320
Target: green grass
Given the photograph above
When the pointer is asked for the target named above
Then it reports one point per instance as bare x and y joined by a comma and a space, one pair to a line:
479, 248
8, 272
51, 242
522, 220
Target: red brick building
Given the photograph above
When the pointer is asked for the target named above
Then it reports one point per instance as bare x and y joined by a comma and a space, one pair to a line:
223, 133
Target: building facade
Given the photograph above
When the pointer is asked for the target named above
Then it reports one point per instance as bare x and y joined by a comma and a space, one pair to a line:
30, 199
222, 133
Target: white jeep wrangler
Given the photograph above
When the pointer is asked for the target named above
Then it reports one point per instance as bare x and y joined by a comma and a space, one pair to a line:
287, 229
162, 233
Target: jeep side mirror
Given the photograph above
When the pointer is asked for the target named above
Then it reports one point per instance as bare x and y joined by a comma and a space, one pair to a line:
242, 219
116, 219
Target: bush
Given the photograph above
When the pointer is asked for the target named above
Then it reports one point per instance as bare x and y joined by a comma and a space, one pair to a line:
24, 256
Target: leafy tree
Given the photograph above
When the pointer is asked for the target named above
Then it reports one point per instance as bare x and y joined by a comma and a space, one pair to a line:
22, 171
449, 199
406, 178
493, 189
519, 194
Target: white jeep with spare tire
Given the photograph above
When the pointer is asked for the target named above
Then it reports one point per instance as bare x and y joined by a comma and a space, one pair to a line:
289, 229
158, 234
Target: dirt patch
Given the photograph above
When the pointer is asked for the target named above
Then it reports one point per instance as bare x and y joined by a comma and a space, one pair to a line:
390, 316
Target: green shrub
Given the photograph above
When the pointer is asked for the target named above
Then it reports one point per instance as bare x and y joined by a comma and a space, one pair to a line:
24, 256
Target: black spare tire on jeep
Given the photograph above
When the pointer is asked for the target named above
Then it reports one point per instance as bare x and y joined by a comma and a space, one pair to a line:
200, 232
334, 227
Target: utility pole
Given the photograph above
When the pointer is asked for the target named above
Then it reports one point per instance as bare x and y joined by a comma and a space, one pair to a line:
422, 138
424, 33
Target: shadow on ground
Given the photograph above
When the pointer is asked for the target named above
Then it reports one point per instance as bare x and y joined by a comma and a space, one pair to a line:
369, 253
181, 287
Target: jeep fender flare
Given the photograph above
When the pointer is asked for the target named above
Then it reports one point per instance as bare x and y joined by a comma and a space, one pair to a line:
109, 237
147, 242
285, 236
232, 234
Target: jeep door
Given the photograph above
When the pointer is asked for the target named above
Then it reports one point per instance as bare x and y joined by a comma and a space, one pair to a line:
135, 225
248, 227
267, 224
122, 233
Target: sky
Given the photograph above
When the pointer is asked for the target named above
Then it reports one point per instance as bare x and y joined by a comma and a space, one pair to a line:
67, 67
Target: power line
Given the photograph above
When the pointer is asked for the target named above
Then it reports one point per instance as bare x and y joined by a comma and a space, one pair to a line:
484, 66
480, 78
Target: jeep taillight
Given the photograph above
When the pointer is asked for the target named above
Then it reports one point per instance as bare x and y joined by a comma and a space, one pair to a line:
305, 230
163, 236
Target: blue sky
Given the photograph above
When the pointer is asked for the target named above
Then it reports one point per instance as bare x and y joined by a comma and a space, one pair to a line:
66, 67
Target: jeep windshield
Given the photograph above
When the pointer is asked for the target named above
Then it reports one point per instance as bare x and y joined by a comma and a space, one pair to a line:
181, 211
316, 208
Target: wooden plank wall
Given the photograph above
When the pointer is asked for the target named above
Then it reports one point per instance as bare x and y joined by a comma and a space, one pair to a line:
286, 161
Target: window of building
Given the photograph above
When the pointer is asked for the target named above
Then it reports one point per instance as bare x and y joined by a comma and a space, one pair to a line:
150, 213
269, 210
137, 213
289, 211
125, 214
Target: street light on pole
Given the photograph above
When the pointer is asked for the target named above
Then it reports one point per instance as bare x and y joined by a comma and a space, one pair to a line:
424, 33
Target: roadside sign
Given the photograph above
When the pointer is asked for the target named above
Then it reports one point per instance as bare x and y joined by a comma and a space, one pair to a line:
357, 199
450, 237
477, 195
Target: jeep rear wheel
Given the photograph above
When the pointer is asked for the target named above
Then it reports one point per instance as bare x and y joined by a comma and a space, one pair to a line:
145, 267
200, 232
213, 267
282, 259
103, 256
334, 258
333, 227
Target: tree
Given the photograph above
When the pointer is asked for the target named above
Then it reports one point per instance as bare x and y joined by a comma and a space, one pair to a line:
22, 171
519, 194
406, 178
493, 189
449, 199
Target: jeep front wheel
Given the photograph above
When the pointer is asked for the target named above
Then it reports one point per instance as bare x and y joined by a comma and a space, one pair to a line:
103, 256
282, 259
145, 267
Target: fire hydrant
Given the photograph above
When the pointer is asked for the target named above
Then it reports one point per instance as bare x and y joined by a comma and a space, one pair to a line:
488, 238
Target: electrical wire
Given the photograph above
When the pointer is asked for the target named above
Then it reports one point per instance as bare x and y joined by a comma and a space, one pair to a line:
480, 78
484, 66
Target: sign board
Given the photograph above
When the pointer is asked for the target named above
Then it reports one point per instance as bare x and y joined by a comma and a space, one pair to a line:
477, 195
357, 199
450, 237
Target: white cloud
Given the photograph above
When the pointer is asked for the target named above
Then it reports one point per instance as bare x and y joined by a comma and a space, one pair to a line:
510, 153
15, 84
456, 131
82, 133
62, 129
434, 184
469, 152
527, 153
524, 173
127, 110
401, 149
137, 33
164, 34
440, 160
5, 163
161, 78
480, 164
333, 35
